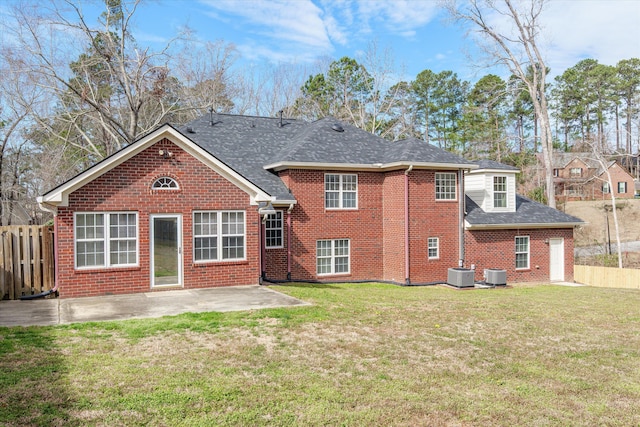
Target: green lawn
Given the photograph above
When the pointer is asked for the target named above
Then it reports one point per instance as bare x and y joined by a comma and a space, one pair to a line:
362, 355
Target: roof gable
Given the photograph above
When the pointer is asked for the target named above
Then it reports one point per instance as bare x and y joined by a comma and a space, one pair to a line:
59, 196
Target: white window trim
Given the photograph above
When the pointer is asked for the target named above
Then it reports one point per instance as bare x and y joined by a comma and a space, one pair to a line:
341, 191
455, 187
505, 192
163, 188
333, 258
528, 267
605, 188
437, 247
219, 236
107, 241
280, 227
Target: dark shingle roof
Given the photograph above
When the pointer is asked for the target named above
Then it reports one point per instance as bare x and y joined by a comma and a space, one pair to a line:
491, 164
527, 212
247, 144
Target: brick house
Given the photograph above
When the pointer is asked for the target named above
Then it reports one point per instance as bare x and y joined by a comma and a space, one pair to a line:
229, 200
577, 176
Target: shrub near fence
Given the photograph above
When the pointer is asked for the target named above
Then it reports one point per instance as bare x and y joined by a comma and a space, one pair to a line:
26, 260
607, 277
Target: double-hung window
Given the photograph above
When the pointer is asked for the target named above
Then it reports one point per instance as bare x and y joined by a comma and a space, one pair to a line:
575, 172
622, 187
433, 247
499, 191
605, 188
340, 191
106, 239
273, 230
333, 257
522, 252
445, 186
218, 236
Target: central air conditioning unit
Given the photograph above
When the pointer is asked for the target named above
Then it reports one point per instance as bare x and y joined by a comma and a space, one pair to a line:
495, 276
461, 277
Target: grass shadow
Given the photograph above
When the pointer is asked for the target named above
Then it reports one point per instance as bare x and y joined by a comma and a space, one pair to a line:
32, 378
306, 285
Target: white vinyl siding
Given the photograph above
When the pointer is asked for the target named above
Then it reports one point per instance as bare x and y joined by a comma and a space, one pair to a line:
218, 236
273, 231
445, 186
333, 257
340, 191
522, 252
106, 239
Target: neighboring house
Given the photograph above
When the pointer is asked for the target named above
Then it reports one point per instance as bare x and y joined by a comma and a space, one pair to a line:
577, 176
631, 163
230, 200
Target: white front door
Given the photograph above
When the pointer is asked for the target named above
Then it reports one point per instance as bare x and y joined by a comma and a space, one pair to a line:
166, 250
556, 259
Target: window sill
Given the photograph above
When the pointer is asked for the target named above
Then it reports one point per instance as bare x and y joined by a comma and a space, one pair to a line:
90, 270
522, 270
216, 263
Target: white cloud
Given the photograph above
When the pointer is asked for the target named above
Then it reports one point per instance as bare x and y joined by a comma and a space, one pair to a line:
607, 31
572, 30
296, 21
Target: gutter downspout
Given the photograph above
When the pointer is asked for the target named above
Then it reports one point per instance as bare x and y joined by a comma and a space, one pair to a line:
263, 252
407, 280
461, 210
289, 241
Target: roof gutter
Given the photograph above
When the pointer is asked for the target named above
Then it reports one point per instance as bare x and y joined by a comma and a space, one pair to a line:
522, 226
278, 166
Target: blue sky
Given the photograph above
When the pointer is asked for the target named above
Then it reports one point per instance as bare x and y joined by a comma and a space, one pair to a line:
415, 31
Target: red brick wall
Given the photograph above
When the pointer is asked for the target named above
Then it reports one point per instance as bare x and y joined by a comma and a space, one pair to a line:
393, 250
312, 222
375, 229
127, 187
431, 218
276, 258
496, 249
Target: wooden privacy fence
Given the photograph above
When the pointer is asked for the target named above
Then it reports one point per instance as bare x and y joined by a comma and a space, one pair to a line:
607, 277
26, 260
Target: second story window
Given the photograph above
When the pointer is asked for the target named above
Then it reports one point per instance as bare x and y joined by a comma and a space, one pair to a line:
340, 191
499, 191
445, 186
575, 172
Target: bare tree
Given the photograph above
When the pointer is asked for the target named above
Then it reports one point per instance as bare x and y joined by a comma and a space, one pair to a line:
599, 157
517, 49
105, 91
